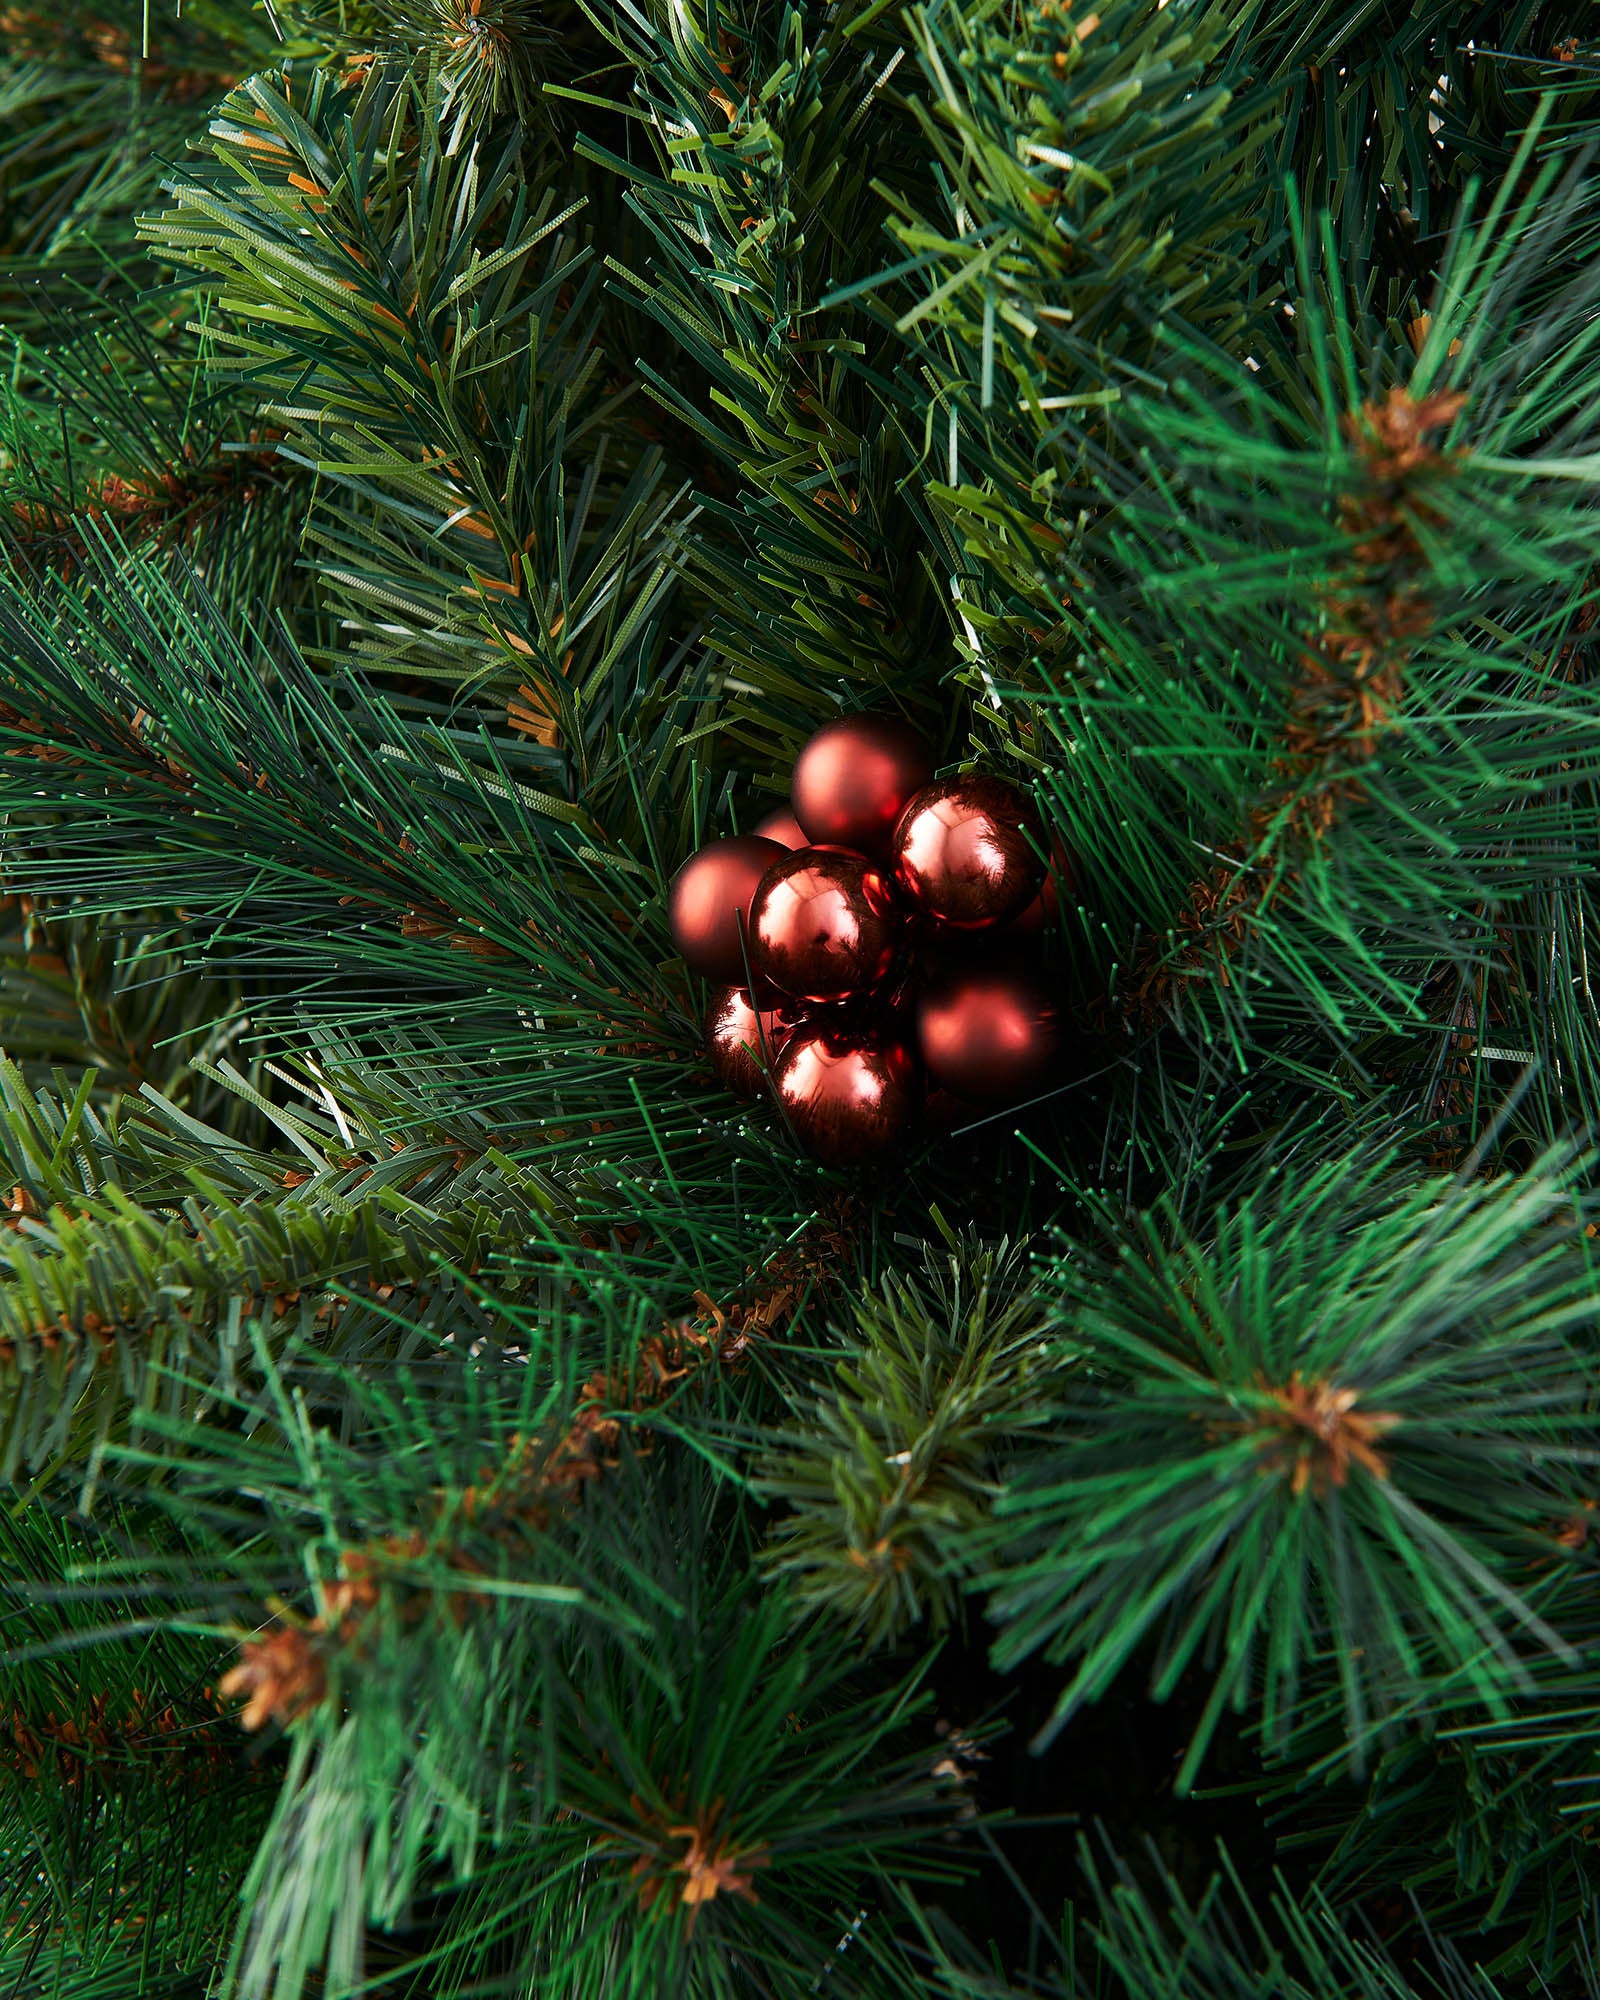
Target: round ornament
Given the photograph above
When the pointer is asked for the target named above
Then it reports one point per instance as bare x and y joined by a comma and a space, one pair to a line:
743, 1041
943, 1111
987, 1032
853, 779
892, 1007
823, 925
850, 1096
784, 828
963, 853
1044, 912
709, 898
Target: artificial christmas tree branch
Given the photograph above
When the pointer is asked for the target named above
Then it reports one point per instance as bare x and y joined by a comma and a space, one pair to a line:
1320, 1452
1351, 685
451, 458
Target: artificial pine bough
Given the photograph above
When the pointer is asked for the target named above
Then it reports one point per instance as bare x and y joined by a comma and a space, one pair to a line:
489, 1512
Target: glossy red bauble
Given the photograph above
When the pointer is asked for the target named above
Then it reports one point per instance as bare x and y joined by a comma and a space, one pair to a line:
1061, 879
853, 779
988, 1032
966, 852
743, 1041
877, 953
943, 1112
710, 896
784, 828
849, 1097
823, 926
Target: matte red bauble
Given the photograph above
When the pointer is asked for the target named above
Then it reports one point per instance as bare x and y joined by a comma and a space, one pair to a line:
964, 852
744, 1041
987, 1032
784, 828
849, 1096
852, 781
710, 894
823, 925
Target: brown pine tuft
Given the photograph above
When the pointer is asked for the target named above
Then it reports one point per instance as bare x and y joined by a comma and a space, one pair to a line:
181, 1746
169, 506
1314, 1434
282, 1673
708, 1867
531, 713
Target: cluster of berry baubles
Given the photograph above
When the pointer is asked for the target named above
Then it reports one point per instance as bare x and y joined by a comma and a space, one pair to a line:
873, 950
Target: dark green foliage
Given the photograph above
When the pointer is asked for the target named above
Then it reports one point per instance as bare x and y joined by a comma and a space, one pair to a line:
1360, 88
1489, 1824
107, 996
476, 61
886, 1476
89, 109
450, 456
782, 136
86, 414
1225, 1946
799, 1812
1472, 590
530, 1701
124, 1789
453, 397
109, 1304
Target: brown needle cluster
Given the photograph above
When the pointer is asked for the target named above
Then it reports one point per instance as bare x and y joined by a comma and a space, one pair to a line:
1312, 1433
170, 504
282, 1674
181, 1742
710, 1864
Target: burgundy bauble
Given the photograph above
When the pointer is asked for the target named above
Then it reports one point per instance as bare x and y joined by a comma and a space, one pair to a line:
784, 828
988, 1032
1061, 879
743, 1041
892, 1008
943, 1112
823, 925
853, 779
849, 1096
965, 852
710, 895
